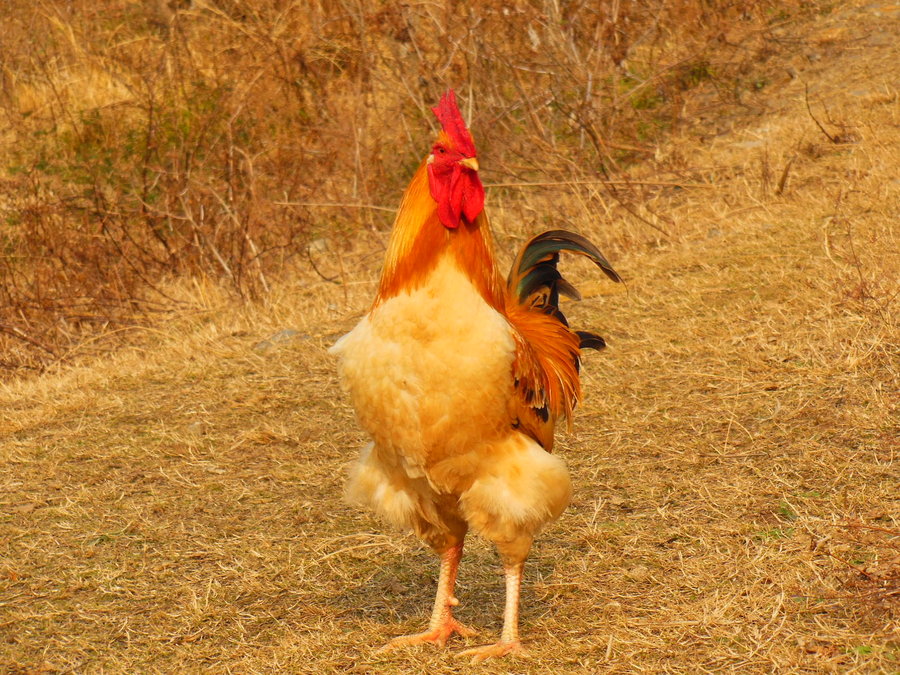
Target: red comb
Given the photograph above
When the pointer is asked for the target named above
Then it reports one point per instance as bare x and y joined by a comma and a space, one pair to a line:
452, 123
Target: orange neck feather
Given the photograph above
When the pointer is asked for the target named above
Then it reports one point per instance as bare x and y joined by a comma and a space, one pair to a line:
419, 240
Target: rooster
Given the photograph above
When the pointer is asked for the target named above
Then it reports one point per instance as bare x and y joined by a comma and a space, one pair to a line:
459, 377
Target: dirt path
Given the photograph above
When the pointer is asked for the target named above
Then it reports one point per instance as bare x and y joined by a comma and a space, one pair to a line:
735, 461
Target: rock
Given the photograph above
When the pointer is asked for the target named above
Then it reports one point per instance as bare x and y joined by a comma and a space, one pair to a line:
279, 338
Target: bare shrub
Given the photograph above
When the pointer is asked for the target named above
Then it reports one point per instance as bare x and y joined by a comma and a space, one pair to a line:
217, 137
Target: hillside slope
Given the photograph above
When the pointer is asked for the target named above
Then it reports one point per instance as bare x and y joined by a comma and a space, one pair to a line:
178, 507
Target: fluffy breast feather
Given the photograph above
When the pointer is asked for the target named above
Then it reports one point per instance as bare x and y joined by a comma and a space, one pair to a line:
429, 374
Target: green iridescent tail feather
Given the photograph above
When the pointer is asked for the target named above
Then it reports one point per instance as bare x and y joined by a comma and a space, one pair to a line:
536, 282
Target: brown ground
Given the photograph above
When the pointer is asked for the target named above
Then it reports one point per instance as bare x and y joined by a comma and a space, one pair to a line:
176, 508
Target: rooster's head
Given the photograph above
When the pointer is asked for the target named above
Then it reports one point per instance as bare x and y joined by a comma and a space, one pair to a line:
452, 167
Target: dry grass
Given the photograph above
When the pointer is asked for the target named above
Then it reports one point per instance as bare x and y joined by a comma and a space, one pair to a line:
218, 138
176, 507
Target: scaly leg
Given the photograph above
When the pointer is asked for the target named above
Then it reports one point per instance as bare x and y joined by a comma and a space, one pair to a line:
509, 638
442, 624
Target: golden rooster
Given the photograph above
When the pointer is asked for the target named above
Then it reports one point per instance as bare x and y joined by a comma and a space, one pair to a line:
460, 377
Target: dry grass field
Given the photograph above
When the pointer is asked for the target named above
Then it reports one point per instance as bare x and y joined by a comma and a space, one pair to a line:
175, 506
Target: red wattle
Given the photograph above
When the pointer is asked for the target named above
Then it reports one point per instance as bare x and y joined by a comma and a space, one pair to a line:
457, 191
473, 203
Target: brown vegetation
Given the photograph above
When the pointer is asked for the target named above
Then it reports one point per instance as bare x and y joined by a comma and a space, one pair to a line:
154, 140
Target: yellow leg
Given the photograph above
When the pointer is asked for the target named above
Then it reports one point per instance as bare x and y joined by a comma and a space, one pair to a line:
442, 624
509, 638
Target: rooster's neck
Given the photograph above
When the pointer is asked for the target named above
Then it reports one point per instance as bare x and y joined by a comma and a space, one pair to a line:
419, 241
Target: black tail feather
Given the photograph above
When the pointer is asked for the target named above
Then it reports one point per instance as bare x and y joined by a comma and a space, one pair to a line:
536, 282
590, 340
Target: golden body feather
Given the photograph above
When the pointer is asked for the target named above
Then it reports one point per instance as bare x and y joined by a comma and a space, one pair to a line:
432, 373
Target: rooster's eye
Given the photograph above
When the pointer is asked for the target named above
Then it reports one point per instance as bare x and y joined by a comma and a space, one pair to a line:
441, 150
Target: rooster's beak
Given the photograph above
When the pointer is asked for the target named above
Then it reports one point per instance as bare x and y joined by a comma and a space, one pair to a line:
470, 163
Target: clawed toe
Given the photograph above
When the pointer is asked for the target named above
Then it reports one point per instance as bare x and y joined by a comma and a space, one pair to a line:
437, 636
502, 648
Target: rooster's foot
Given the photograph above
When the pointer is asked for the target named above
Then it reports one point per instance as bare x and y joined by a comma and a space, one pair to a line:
502, 648
437, 636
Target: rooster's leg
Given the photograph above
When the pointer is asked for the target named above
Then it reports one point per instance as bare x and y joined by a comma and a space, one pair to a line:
442, 624
509, 638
